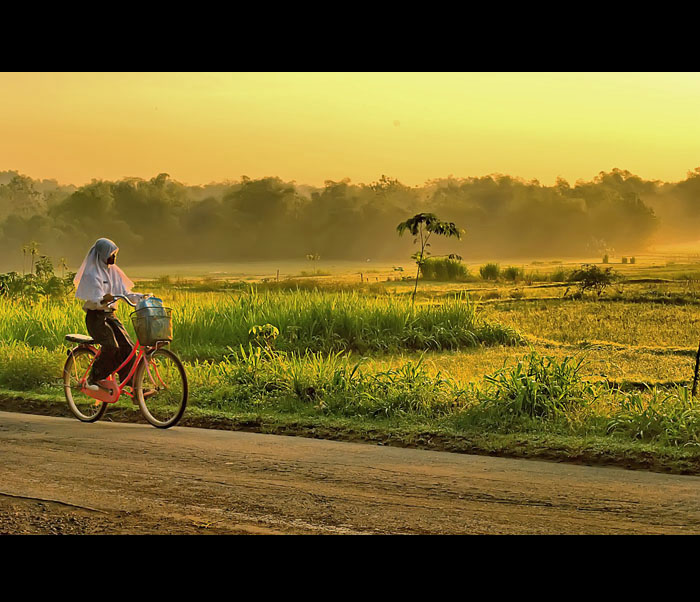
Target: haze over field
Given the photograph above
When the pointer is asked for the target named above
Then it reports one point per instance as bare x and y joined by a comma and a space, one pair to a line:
156, 161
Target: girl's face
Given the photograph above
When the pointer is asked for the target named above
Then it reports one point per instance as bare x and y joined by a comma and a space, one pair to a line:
112, 258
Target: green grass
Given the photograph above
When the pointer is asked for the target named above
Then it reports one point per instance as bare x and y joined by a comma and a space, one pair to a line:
358, 359
206, 324
536, 394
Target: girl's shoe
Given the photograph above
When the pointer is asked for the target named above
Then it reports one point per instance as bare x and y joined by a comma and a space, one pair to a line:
103, 384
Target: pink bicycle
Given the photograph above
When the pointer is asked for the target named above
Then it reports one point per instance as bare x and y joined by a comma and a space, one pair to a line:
157, 380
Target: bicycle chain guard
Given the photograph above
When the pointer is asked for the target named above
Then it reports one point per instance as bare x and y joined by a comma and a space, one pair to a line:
107, 396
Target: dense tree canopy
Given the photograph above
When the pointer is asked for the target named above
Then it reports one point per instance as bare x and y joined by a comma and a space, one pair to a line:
163, 220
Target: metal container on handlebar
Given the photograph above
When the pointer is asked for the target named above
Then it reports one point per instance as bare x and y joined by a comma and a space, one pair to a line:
152, 322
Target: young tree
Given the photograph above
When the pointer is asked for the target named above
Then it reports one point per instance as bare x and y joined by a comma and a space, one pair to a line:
25, 250
64, 265
423, 226
33, 248
44, 268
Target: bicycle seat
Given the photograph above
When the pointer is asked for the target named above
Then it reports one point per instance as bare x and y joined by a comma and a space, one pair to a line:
80, 338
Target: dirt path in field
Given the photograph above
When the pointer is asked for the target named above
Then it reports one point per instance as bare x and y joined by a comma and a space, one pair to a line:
58, 475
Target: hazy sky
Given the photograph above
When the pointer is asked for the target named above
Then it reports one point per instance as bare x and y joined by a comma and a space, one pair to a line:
309, 127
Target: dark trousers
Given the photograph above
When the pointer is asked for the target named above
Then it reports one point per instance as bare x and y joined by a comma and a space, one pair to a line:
114, 340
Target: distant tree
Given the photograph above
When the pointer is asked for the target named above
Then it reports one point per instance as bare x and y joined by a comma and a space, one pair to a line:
422, 226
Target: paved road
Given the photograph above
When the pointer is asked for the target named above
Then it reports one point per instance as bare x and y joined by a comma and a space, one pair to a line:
58, 475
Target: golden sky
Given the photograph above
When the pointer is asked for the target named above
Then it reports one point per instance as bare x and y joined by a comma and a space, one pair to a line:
310, 127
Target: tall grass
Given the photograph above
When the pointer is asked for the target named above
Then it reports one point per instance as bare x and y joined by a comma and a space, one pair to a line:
444, 269
671, 417
25, 368
205, 324
513, 273
537, 387
490, 271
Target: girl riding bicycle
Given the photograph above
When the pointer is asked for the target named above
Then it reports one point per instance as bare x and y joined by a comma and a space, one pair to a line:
97, 282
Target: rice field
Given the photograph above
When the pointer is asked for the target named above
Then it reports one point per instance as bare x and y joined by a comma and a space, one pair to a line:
618, 367
572, 321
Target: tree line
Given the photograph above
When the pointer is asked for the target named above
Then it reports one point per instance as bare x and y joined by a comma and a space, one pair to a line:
160, 219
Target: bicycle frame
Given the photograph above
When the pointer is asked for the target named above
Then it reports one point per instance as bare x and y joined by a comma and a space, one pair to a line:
112, 395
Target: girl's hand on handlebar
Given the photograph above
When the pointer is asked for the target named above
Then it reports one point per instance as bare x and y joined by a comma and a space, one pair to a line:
107, 298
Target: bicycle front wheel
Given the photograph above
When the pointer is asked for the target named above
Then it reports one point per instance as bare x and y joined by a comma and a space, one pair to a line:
77, 367
160, 388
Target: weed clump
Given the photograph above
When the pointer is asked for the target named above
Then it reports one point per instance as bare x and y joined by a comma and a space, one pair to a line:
536, 387
513, 274
490, 271
444, 269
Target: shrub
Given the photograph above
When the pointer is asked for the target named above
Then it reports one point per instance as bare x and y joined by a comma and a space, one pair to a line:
33, 286
536, 387
591, 277
512, 273
444, 269
490, 271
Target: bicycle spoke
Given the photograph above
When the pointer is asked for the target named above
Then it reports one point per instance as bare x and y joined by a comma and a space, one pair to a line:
163, 389
84, 407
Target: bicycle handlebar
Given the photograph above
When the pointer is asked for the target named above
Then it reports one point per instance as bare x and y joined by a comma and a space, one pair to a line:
127, 299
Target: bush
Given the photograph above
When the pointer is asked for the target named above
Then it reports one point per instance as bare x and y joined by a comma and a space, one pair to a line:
444, 269
591, 277
513, 274
536, 387
33, 286
490, 271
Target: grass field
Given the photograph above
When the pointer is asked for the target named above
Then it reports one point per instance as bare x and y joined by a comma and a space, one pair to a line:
471, 359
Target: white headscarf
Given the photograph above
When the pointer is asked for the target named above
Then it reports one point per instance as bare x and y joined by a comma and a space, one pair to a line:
96, 277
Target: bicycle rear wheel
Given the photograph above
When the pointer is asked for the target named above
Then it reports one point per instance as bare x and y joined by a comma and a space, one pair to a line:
84, 407
160, 388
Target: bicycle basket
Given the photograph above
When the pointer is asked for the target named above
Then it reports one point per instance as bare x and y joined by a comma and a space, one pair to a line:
152, 324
